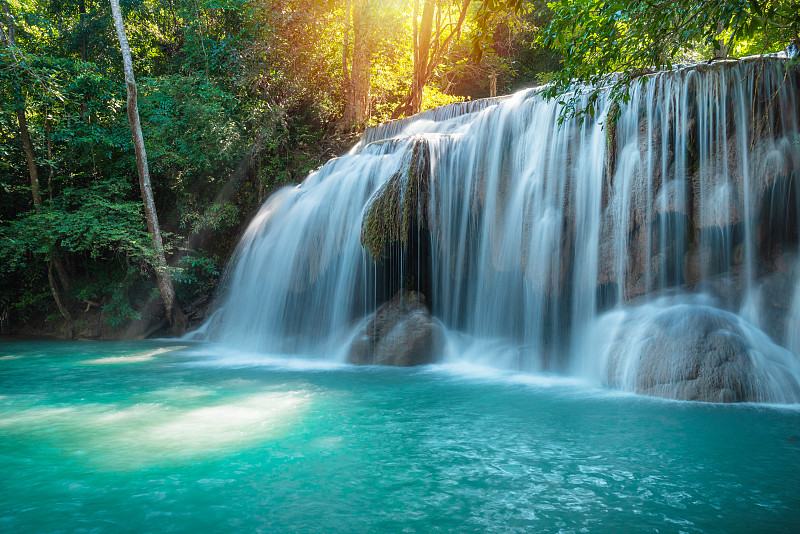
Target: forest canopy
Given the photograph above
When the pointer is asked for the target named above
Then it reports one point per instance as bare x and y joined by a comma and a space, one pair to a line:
636, 37
238, 97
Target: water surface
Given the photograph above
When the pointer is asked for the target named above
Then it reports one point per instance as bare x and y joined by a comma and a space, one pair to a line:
159, 436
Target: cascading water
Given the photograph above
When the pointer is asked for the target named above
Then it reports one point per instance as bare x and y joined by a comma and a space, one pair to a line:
525, 235
299, 274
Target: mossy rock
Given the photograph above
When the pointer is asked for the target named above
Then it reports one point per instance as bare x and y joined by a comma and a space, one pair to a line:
399, 204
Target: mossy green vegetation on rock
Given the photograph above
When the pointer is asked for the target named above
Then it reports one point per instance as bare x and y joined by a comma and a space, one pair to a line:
399, 204
611, 138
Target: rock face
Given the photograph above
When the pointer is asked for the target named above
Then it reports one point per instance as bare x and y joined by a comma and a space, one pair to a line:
401, 333
699, 353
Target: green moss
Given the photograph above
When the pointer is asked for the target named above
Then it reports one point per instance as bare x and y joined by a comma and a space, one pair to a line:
611, 138
399, 204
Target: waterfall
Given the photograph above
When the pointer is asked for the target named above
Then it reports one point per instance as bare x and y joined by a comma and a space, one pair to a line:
299, 274
572, 245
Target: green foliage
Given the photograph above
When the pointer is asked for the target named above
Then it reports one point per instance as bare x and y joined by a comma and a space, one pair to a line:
226, 118
194, 136
220, 216
188, 119
118, 310
198, 275
433, 98
117, 289
93, 221
384, 220
488, 15
102, 233
27, 296
634, 38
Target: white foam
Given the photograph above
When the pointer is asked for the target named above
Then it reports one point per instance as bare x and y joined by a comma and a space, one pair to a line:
469, 370
136, 357
221, 356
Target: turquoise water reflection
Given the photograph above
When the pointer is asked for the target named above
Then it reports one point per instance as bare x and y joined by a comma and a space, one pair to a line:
110, 437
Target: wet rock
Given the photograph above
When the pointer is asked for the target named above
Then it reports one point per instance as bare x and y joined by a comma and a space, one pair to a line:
777, 292
697, 353
401, 333
727, 289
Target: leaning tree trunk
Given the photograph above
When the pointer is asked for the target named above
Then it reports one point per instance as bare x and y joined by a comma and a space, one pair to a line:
174, 313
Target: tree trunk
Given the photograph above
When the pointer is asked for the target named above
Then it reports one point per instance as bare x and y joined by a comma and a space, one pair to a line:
82, 26
415, 34
422, 50
429, 50
174, 313
83, 43
59, 303
346, 52
12, 29
27, 146
721, 47
357, 104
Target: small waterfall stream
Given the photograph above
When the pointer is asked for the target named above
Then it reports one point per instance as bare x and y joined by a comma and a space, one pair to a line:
583, 248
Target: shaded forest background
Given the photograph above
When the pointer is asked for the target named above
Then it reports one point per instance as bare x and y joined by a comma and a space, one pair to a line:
240, 97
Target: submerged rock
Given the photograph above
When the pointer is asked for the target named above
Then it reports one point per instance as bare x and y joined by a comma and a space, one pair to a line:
401, 333
699, 353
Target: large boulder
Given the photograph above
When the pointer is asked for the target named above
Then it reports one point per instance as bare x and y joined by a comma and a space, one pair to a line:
699, 353
401, 333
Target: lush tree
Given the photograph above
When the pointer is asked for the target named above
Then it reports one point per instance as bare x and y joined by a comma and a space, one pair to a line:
218, 145
635, 37
18, 96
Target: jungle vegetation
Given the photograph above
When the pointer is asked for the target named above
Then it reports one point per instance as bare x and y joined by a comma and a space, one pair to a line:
239, 97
